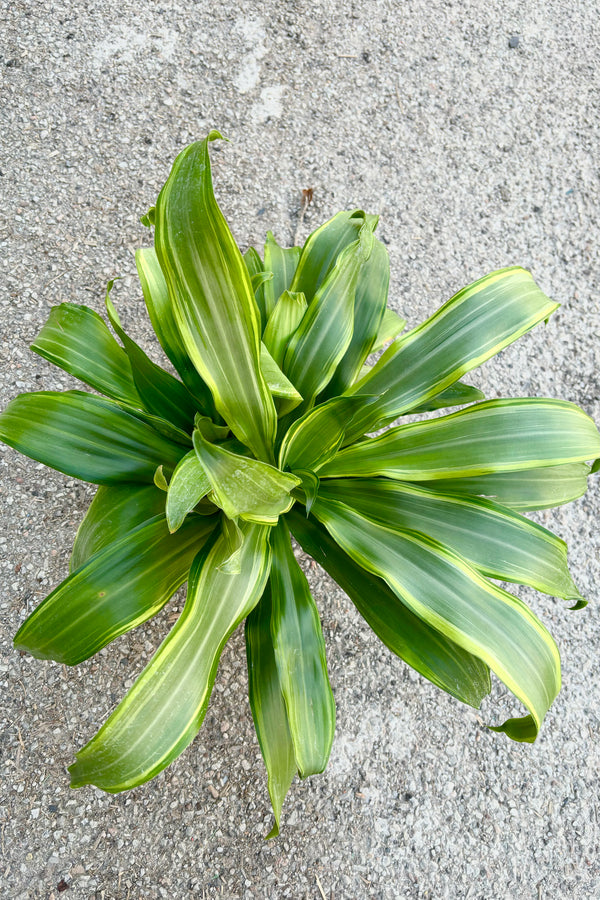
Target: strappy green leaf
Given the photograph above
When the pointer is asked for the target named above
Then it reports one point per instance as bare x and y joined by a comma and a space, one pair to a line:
441, 588
279, 385
474, 325
314, 439
114, 512
161, 393
325, 332
282, 262
523, 491
212, 298
322, 249
498, 542
268, 706
370, 302
283, 322
174, 688
421, 646
300, 656
158, 304
494, 436
390, 327
124, 584
85, 437
77, 339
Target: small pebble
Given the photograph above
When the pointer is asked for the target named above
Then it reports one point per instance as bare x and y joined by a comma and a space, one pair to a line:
513, 41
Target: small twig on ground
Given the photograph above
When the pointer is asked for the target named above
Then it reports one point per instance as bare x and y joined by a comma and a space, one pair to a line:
320, 886
307, 196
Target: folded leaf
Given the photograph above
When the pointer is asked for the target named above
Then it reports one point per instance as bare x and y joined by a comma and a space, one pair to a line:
77, 339
161, 393
259, 280
472, 326
174, 689
162, 426
121, 586
457, 394
188, 486
523, 491
390, 327
447, 593
248, 488
370, 303
494, 436
325, 332
499, 543
310, 488
268, 706
322, 249
255, 267
85, 437
300, 656
283, 322
158, 304
282, 263
279, 385
253, 261
212, 298
114, 512
421, 646
234, 540
314, 439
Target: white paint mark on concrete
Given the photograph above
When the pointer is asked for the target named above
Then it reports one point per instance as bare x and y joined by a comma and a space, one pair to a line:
253, 35
269, 106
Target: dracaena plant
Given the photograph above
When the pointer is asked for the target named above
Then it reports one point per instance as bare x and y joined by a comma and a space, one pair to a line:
205, 478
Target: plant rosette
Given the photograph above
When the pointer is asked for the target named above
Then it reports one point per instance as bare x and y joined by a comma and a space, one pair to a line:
264, 436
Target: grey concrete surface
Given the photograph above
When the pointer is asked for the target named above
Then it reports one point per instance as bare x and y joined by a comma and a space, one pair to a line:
477, 154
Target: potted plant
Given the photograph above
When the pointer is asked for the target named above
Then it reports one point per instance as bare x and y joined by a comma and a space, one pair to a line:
267, 435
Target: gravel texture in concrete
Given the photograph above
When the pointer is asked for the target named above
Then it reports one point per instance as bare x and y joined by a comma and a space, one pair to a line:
472, 128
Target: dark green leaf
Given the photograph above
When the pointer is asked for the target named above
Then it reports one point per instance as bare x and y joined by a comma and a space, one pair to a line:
458, 394
423, 647
268, 706
121, 586
174, 689
161, 393
300, 655
77, 339
310, 487
85, 437
114, 511
447, 593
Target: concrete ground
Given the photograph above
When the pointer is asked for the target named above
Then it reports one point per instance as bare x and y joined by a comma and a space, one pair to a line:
477, 154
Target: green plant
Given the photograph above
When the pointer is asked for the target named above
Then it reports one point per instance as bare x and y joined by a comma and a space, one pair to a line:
203, 479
